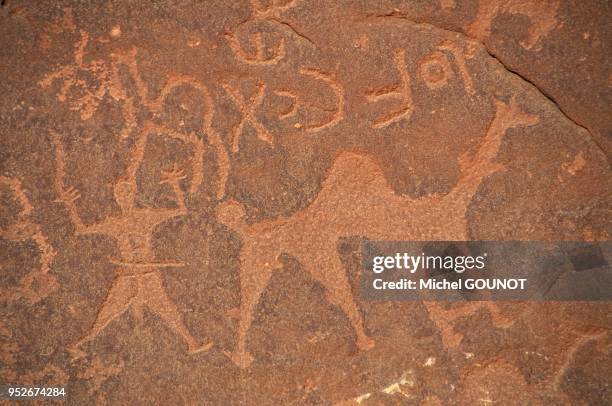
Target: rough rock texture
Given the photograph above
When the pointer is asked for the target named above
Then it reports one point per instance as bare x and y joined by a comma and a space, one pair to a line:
185, 186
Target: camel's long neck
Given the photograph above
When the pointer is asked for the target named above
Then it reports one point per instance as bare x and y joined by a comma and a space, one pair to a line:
474, 169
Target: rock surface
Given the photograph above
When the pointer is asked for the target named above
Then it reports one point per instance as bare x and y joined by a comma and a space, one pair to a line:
185, 187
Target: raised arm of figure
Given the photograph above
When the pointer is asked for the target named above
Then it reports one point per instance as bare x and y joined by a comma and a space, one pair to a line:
173, 177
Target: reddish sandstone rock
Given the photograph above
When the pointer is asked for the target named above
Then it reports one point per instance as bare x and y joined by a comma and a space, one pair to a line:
185, 188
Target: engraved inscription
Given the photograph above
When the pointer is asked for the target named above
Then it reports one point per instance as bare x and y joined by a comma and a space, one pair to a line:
400, 91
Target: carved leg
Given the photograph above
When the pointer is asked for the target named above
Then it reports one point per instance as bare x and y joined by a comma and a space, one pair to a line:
443, 319
332, 276
120, 296
156, 299
255, 274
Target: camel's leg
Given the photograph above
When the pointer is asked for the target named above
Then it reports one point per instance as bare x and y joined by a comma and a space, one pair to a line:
443, 319
255, 273
327, 269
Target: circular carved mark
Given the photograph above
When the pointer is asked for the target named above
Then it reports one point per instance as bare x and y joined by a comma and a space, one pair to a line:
435, 70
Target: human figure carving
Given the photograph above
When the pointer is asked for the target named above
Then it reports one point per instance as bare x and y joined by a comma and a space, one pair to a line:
400, 91
138, 284
355, 199
38, 283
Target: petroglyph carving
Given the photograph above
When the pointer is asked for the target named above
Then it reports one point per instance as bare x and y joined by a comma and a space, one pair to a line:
435, 70
371, 209
71, 78
474, 169
445, 318
155, 105
108, 81
259, 57
37, 284
576, 165
138, 284
460, 59
271, 14
119, 93
248, 115
400, 91
338, 114
293, 108
104, 79
542, 15
335, 114
260, 13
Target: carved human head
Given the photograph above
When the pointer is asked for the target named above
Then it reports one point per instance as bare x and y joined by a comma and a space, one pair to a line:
231, 213
125, 194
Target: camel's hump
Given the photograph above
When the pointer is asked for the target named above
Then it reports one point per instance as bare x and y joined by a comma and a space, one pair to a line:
354, 170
